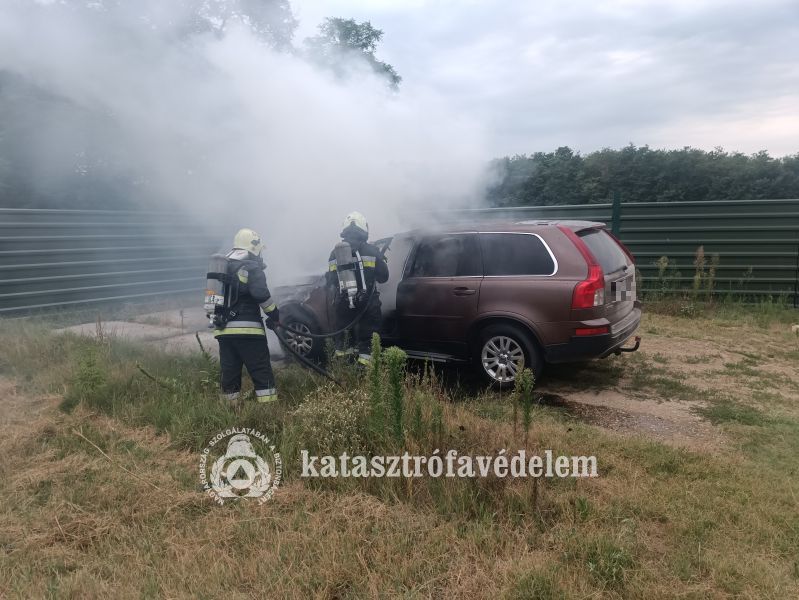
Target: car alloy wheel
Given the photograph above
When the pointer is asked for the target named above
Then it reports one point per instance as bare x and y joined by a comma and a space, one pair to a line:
502, 358
301, 344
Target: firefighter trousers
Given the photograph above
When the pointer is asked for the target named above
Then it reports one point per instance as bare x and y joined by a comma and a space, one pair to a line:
361, 334
251, 351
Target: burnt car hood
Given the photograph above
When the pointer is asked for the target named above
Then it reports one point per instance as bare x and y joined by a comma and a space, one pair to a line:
299, 290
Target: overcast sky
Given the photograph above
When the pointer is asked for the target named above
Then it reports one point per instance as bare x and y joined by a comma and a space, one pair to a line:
539, 74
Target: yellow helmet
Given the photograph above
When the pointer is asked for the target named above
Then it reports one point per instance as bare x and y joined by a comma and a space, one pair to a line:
356, 219
249, 240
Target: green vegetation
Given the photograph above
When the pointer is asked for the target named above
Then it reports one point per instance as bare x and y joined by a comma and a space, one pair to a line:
729, 412
395, 362
524, 396
339, 40
665, 293
641, 174
101, 496
376, 395
724, 310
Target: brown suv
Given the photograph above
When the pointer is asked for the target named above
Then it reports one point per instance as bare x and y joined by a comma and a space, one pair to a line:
496, 295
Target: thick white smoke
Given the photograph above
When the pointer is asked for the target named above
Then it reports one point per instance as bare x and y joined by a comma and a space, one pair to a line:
219, 125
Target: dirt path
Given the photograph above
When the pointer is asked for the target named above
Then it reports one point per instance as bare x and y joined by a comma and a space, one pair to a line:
172, 331
673, 423
683, 366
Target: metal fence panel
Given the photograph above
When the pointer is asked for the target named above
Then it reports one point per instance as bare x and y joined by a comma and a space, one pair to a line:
63, 257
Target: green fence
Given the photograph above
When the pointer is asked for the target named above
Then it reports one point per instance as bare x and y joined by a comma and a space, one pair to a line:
62, 257
756, 241
57, 258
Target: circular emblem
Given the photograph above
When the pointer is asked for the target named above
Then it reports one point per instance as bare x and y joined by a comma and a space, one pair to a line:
240, 463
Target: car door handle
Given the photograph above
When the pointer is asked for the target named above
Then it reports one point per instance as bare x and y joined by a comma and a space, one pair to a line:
463, 291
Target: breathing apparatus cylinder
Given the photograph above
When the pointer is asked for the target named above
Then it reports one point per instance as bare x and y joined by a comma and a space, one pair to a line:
217, 291
348, 273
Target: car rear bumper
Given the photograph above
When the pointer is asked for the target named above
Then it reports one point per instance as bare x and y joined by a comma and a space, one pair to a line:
580, 348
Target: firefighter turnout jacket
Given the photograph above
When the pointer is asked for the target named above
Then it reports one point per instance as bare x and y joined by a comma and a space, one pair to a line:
251, 294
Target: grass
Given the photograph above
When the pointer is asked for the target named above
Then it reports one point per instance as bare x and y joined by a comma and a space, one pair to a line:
725, 311
647, 379
697, 360
541, 584
100, 496
594, 376
730, 412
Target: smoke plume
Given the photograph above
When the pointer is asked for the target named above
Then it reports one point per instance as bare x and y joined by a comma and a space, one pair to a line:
213, 122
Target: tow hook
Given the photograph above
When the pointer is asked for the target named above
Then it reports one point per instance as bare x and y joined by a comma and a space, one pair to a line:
633, 349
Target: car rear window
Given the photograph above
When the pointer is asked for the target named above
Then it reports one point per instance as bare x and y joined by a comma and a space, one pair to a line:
605, 249
515, 254
447, 256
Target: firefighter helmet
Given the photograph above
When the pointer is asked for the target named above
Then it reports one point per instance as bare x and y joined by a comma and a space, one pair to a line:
357, 220
249, 240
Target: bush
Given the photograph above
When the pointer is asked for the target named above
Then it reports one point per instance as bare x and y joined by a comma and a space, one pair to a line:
89, 382
330, 421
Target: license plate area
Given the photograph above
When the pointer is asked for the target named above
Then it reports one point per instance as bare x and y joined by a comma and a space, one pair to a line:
623, 290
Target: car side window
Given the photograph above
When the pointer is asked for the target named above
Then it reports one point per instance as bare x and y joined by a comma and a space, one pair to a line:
447, 256
515, 254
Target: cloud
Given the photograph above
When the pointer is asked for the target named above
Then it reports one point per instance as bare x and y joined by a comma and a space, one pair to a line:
594, 74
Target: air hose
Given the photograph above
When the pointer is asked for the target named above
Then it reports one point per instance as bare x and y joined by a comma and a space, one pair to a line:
357, 318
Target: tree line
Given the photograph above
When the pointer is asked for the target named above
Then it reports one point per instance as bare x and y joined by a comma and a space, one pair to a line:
640, 174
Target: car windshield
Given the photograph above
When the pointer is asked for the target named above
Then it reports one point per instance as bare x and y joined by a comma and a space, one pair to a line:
384, 244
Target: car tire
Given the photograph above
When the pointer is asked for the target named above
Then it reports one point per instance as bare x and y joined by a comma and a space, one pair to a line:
296, 318
499, 348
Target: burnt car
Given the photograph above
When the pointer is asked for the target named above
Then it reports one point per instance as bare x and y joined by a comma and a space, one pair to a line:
497, 296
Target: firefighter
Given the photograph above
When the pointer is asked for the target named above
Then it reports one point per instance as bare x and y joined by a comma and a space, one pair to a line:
370, 268
241, 337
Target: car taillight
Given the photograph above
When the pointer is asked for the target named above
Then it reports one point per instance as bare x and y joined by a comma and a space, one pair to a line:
591, 291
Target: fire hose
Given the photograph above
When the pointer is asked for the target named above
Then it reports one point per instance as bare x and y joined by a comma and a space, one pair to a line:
304, 360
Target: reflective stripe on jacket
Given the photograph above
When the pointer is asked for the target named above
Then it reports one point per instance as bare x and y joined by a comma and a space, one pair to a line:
241, 328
